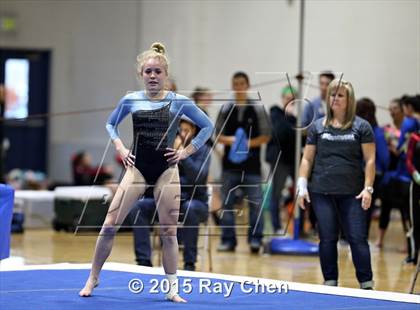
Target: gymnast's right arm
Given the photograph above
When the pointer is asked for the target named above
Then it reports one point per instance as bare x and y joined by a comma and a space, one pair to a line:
114, 119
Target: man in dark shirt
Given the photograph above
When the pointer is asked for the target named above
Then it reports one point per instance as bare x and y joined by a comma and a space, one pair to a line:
193, 173
242, 127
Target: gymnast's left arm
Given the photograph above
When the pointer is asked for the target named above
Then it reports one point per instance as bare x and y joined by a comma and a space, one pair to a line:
193, 112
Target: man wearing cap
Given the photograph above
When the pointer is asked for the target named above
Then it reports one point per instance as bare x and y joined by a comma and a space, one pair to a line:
281, 151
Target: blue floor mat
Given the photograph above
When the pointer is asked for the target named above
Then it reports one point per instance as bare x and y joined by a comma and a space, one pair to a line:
58, 289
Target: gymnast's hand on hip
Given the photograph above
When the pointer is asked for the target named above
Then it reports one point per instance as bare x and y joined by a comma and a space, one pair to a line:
174, 156
127, 156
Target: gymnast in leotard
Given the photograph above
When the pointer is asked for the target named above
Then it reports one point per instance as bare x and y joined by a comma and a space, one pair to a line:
151, 162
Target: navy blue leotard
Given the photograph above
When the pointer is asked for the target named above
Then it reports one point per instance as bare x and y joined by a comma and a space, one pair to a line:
155, 124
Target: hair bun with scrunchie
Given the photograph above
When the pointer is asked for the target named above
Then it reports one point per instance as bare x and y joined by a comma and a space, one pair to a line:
158, 48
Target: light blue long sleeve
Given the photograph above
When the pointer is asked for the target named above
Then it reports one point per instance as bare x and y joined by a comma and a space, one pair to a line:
116, 117
180, 105
193, 112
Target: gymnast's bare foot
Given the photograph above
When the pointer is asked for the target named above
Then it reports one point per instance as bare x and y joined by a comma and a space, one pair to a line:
89, 286
177, 298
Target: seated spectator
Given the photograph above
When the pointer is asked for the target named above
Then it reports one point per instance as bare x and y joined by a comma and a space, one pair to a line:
203, 97
84, 173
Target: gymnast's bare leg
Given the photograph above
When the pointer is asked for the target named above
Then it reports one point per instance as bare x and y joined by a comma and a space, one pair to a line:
167, 196
129, 190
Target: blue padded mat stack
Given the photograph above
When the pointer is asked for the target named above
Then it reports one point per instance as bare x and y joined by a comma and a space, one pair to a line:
7, 195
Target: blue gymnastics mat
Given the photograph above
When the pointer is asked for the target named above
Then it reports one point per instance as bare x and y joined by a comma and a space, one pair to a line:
57, 287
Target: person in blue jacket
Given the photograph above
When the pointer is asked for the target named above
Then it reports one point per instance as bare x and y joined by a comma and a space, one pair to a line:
365, 108
151, 162
397, 181
409, 126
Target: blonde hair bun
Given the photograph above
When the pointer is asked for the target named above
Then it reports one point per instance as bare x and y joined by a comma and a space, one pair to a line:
158, 48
